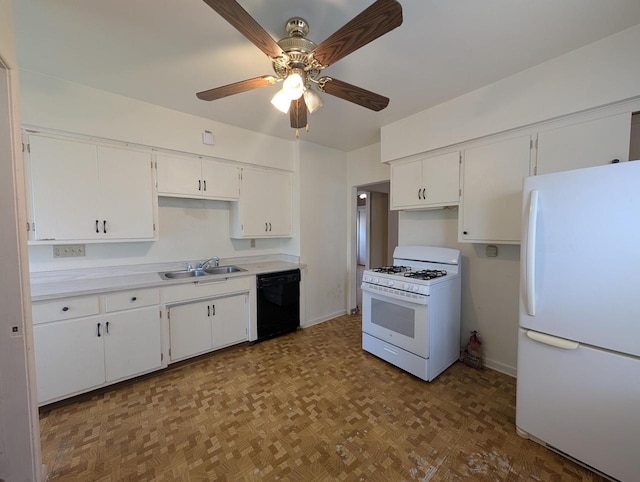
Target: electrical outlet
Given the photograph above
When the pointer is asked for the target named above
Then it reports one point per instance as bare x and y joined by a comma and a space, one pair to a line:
68, 250
253, 243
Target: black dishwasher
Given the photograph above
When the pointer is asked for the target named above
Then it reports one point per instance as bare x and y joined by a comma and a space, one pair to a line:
278, 303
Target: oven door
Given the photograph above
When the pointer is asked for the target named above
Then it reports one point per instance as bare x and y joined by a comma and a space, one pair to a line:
399, 322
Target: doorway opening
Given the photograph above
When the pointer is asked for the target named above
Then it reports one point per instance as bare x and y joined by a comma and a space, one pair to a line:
375, 229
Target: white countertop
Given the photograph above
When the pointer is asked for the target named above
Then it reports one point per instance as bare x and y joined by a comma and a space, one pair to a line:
58, 284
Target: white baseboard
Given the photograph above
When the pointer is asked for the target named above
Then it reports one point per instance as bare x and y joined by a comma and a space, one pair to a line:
500, 367
322, 319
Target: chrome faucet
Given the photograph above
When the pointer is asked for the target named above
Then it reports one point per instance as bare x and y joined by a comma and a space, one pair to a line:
207, 263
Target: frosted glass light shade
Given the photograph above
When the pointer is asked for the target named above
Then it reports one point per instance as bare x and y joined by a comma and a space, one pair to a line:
293, 86
313, 100
281, 101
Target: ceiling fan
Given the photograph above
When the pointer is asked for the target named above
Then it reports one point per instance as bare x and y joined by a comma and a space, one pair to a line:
298, 62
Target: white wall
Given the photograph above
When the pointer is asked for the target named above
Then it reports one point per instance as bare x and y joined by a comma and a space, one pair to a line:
323, 230
597, 74
19, 430
65, 106
489, 285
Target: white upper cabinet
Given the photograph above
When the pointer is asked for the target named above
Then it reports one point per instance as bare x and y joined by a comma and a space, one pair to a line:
82, 191
197, 178
265, 206
425, 183
586, 144
492, 177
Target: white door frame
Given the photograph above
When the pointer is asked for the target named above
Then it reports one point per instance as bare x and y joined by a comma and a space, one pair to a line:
20, 457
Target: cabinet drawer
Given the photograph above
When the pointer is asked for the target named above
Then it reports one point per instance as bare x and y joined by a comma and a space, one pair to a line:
65, 309
127, 300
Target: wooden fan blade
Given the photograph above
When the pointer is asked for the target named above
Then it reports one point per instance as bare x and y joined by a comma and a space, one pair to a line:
298, 113
238, 17
373, 22
238, 87
354, 94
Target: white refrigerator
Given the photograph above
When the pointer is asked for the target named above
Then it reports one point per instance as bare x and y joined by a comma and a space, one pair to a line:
578, 386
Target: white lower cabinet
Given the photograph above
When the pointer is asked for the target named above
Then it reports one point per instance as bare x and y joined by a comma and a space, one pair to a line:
201, 326
132, 343
75, 352
69, 357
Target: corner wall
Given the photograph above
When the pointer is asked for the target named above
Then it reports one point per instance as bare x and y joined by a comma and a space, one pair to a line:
323, 230
598, 74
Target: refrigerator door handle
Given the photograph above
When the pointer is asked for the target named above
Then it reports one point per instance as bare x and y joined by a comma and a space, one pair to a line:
553, 340
531, 254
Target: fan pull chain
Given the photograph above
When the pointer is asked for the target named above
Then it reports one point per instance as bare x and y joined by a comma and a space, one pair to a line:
307, 127
297, 134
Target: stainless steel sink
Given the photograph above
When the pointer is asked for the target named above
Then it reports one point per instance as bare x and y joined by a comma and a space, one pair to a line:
193, 273
223, 269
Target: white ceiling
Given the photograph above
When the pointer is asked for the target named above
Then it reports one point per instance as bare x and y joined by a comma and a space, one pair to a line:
163, 52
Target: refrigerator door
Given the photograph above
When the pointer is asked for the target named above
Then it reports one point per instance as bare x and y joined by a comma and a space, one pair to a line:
580, 256
581, 401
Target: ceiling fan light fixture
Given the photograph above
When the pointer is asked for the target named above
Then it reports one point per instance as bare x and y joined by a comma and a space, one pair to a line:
294, 84
281, 101
312, 100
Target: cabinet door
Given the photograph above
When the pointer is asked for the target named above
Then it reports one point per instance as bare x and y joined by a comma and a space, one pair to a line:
190, 330
64, 176
254, 203
230, 320
592, 143
441, 180
125, 194
132, 342
492, 177
406, 185
280, 206
220, 180
69, 357
179, 176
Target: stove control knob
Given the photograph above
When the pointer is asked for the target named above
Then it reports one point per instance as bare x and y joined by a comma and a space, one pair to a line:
367, 278
416, 288
407, 286
390, 283
376, 280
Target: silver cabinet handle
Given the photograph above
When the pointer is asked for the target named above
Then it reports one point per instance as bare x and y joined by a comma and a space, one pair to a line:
199, 185
419, 190
208, 310
97, 228
104, 227
269, 226
99, 330
266, 227
213, 310
205, 184
424, 193
107, 327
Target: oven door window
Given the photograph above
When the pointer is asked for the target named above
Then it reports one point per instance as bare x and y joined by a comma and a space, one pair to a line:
398, 322
397, 318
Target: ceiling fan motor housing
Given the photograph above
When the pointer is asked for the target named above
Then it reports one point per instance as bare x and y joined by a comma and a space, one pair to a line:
297, 49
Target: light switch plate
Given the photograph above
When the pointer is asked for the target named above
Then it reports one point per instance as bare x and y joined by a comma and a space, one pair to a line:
68, 250
492, 251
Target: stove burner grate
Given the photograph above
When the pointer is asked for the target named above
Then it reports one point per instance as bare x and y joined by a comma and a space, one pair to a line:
391, 269
426, 274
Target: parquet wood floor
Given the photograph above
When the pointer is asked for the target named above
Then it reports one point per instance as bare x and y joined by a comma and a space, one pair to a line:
309, 406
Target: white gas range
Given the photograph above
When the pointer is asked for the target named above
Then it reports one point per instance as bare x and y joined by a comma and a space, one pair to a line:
411, 310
